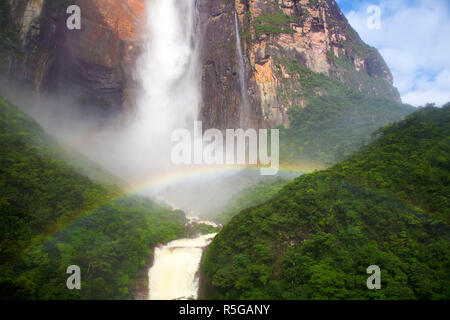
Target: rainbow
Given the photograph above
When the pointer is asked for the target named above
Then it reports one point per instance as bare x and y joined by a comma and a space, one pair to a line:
164, 179
193, 171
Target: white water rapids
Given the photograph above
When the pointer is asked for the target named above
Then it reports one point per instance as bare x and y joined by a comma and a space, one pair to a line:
174, 274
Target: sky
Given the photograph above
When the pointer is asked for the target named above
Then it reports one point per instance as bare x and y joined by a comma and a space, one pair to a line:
414, 39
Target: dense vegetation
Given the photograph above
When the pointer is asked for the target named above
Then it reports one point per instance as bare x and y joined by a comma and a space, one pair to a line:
9, 38
273, 24
199, 228
336, 121
387, 205
110, 245
53, 216
37, 187
411, 161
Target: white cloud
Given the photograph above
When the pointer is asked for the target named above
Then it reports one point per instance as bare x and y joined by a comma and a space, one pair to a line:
414, 39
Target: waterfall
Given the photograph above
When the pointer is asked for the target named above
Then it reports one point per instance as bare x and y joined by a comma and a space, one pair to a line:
168, 96
174, 272
245, 105
168, 73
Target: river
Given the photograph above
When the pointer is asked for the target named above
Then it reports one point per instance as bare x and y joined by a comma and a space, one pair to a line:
174, 274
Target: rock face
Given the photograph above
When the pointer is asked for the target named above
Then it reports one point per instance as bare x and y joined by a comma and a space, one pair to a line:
276, 34
220, 79
94, 63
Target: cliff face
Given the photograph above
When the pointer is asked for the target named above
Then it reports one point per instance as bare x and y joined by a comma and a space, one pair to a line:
278, 36
95, 63
222, 100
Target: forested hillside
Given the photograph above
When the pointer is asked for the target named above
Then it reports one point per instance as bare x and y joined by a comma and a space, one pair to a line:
336, 121
387, 205
52, 216
250, 197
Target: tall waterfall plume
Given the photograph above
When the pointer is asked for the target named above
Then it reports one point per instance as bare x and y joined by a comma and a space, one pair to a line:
245, 105
167, 72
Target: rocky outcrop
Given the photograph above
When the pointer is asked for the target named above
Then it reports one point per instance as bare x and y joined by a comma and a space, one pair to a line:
222, 99
94, 64
278, 33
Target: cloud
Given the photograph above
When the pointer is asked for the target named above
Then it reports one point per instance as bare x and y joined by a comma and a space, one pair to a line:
414, 41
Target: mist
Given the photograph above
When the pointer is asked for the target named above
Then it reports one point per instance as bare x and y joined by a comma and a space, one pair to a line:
136, 146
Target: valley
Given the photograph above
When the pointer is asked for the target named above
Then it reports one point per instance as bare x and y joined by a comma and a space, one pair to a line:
303, 167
